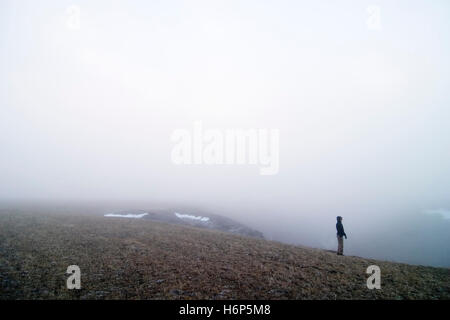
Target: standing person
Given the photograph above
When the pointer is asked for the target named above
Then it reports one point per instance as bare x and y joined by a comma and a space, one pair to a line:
340, 236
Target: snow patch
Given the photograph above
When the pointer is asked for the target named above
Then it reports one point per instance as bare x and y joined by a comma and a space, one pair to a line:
129, 215
188, 216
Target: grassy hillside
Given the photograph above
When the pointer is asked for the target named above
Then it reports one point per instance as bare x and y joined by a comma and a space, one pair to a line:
138, 259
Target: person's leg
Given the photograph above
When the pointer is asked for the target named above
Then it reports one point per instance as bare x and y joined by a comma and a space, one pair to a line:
340, 245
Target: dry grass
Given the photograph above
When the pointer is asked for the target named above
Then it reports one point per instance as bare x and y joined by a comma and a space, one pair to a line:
137, 259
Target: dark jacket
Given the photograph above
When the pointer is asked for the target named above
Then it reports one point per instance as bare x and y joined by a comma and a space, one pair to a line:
340, 229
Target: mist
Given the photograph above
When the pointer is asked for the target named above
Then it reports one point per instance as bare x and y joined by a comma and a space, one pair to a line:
91, 94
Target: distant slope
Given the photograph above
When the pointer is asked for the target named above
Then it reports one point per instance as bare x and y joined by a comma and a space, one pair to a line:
144, 259
194, 218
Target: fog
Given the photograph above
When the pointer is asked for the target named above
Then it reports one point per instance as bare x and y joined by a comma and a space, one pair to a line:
92, 92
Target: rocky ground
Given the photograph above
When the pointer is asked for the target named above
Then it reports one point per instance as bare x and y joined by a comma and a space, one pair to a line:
143, 259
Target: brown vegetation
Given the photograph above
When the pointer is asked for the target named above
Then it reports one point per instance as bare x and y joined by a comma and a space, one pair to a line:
141, 259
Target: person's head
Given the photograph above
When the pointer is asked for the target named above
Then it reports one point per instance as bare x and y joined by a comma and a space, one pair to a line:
339, 218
